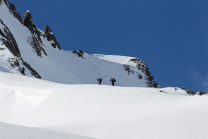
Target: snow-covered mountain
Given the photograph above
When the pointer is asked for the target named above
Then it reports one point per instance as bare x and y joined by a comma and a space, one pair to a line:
22, 44
58, 98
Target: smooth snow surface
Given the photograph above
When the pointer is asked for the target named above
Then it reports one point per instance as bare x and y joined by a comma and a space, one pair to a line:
8, 131
101, 111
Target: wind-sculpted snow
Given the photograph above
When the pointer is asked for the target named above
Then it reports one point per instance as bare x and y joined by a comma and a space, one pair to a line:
19, 101
101, 111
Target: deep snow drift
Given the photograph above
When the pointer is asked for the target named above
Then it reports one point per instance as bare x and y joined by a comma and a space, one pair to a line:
101, 111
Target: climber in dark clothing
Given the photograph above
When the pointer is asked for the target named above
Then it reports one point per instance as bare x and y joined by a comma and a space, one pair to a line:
23, 70
112, 80
99, 80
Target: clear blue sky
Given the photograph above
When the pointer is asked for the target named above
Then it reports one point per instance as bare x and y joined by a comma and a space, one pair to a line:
171, 36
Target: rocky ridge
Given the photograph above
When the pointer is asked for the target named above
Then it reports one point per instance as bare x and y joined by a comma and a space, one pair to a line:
35, 40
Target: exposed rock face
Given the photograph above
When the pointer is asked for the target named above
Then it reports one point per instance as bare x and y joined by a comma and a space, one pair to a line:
9, 40
201, 93
141, 65
80, 53
35, 40
187, 91
50, 36
12, 10
27, 21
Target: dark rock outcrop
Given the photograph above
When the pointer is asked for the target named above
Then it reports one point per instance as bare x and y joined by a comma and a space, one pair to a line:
9, 40
141, 65
201, 93
48, 33
35, 40
187, 91
80, 53
27, 21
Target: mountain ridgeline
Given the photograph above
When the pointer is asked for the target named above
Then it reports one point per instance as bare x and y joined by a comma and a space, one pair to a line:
23, 40
34, 40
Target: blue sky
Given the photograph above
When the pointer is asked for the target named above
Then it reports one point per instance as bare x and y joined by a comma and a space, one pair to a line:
171, 36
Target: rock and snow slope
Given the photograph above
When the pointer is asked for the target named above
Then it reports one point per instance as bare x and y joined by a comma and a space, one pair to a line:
61, 66
103, 112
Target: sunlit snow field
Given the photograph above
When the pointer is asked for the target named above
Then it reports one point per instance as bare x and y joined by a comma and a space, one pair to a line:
101, 111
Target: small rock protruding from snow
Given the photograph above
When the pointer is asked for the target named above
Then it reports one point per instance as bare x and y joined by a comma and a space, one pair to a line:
201, 93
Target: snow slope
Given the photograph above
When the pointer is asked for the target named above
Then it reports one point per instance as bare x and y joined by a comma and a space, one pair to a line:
103, 112
64, 66
8, 131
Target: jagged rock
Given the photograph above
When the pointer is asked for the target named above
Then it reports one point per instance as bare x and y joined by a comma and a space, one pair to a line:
12, 10
141, 65
188, 91
47, 29
35, 40
27, 21
9, 40
13, 62
50, 36
80, 53
199, 93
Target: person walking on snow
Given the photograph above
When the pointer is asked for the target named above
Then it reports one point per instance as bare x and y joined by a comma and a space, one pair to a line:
23, 70
99, 81
112, 80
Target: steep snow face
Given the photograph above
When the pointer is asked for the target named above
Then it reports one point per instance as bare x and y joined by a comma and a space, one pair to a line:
101, 111
65, 66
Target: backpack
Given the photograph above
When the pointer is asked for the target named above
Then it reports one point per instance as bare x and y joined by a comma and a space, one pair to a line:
100, 79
